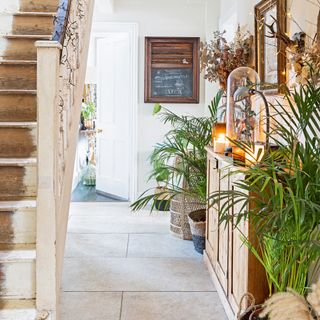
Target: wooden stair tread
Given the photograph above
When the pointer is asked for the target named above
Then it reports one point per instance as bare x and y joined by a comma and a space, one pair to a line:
35, 13
18, 91
29, 36
18, 62
18, 124
10, 162
16, 247
20, 255
8, 304
17, 204
23, 309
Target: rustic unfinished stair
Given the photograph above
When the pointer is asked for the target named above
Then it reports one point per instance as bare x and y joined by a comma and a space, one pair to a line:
13, 44
39, 5
33, 22
18, 105
18, 271
18, 151
18, 310
18, 223
18, 74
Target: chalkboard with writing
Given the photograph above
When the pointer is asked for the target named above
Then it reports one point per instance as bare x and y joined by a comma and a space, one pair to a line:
172, 82
172, 70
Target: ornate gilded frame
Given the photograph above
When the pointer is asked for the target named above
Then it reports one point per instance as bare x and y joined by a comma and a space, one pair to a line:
263, 44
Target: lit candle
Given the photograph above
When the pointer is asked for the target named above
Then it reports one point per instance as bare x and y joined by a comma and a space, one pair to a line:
219, 143
219, 137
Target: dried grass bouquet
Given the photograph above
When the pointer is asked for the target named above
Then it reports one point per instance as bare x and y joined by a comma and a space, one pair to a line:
219, 58
291, 305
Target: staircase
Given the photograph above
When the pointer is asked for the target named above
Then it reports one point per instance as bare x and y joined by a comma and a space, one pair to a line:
19, 155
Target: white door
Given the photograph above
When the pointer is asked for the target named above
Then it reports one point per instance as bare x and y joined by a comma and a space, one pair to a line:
113, 96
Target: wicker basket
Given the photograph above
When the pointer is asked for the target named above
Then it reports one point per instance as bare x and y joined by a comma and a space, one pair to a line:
197, 220
180, 208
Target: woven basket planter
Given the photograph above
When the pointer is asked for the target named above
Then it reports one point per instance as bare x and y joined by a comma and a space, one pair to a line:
197, 220
180, 208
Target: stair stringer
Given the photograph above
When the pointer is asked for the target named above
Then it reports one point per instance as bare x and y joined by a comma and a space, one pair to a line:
60, 77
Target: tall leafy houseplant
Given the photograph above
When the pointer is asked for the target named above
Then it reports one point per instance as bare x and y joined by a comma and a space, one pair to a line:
284, 192
88, 113
161, 174
183, 154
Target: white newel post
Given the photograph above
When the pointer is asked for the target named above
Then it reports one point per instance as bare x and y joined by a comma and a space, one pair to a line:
48, 62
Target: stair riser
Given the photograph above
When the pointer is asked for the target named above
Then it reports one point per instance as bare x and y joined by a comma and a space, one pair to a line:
18, 77
39, 5
15, 108
32, 25
18, 49
17, 182
18, 227
18, 280
18, 142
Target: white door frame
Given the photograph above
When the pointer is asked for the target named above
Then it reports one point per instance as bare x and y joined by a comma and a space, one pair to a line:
101, 30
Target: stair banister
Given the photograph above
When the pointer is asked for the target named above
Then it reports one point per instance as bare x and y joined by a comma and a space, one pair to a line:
61, 21
61, 66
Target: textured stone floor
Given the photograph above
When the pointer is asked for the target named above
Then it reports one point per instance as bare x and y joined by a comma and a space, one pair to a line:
125, 266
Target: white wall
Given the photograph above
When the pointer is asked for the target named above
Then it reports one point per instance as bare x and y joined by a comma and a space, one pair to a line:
187, 18
232, 13
159, 18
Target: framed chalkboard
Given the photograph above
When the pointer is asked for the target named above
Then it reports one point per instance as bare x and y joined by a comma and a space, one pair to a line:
172, 70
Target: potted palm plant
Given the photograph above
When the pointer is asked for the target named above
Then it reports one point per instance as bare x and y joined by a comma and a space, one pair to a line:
161, 174
183, 154
284, 187
88, 113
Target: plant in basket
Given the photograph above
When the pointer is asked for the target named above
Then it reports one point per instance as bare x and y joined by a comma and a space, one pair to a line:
183, 157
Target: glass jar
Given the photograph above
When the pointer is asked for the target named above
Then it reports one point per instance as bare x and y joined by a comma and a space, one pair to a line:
241, 115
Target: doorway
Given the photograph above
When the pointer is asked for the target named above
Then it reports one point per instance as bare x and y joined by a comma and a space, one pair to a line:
112, 73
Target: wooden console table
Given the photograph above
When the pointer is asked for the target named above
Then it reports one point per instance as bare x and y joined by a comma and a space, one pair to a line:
233, 268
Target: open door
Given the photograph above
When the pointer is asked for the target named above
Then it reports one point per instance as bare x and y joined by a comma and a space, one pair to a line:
113, 94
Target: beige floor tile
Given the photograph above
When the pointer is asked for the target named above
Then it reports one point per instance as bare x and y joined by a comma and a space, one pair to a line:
90, 305
160, 245
133, 274
172, 306
109, 209
99, 208
120, 224
103, 245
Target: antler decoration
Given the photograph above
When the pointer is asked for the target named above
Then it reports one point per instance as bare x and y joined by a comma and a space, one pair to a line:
297, 43
279, 34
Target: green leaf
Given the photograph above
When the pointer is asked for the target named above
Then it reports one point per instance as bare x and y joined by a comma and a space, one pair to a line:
156, 109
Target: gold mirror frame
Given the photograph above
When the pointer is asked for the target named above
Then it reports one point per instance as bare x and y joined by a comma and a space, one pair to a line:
263, 43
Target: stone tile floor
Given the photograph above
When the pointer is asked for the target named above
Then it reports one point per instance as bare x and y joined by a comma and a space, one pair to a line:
126, 266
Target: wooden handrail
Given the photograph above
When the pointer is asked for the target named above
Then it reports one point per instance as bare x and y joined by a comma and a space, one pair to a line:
61, 21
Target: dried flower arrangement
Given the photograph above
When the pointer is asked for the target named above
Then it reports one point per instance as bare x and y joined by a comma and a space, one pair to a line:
291, 305
220, 57
304, 62
303, 56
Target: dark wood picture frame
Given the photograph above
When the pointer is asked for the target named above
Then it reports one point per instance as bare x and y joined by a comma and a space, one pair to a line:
261, 30
177, 55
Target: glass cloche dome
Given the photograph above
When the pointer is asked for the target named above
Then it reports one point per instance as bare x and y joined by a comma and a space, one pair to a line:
242, 120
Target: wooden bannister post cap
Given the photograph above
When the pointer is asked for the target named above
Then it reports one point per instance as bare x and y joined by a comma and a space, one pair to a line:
48, 44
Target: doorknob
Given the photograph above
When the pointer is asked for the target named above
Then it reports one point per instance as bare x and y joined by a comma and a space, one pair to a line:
99, 130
